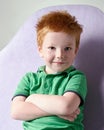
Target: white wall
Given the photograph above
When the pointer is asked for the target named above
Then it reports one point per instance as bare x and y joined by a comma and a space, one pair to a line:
13, 13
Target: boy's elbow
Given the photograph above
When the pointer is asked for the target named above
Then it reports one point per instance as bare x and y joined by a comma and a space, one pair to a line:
15, 115
17, 108
70, 104
15, 112
67, 108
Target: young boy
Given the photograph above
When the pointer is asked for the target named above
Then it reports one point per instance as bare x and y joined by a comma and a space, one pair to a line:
53, 97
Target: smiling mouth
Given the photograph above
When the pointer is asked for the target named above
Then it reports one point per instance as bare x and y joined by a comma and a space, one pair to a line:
58, 62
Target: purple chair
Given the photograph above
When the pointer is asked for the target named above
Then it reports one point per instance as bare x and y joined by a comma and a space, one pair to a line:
21, 56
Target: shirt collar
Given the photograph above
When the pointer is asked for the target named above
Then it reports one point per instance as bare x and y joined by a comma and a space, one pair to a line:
42, 69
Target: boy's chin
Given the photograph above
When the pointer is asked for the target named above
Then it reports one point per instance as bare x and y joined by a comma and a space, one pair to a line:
55, 70
58, 71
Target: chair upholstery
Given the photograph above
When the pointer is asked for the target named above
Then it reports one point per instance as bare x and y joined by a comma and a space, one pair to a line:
21, 56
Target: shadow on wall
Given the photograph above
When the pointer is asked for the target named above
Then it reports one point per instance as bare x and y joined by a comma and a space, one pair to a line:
90, 60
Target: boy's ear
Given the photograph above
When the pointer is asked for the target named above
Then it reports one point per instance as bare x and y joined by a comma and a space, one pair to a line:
76, 50
40, 51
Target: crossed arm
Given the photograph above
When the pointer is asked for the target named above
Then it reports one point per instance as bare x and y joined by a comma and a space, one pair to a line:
38, 105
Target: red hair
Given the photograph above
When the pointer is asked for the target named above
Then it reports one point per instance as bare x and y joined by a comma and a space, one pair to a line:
58, 21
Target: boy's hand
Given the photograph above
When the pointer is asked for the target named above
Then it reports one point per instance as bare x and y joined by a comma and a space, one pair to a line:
72, 116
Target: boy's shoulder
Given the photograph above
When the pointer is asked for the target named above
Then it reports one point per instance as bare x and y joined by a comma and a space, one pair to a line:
35, 73
73, 70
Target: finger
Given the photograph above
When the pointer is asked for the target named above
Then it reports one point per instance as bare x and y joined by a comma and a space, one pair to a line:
77, 111
69, 118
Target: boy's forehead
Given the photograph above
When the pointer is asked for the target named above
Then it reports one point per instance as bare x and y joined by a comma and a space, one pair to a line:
53, 38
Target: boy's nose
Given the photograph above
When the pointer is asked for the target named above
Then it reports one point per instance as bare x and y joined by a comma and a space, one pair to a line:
60, 54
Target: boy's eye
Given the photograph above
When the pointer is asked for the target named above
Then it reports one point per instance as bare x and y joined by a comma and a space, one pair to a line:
51, 48
67, 48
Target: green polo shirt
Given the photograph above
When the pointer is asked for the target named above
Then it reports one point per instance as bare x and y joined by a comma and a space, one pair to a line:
71, 80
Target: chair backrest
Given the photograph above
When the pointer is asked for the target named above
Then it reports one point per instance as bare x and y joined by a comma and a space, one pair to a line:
21, 56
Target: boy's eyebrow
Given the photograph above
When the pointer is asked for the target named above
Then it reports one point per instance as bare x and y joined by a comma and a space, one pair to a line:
69, 43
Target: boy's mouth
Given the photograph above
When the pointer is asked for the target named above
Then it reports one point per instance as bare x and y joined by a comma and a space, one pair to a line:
58, 62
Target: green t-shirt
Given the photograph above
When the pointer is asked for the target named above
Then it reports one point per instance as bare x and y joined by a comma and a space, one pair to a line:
55, 84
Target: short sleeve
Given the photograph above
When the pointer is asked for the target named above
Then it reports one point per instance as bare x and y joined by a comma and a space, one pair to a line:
23, 87
78, 84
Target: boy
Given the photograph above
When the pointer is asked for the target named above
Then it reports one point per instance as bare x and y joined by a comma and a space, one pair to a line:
53, 97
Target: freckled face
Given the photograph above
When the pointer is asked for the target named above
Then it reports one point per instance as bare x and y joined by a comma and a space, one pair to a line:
58, 51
